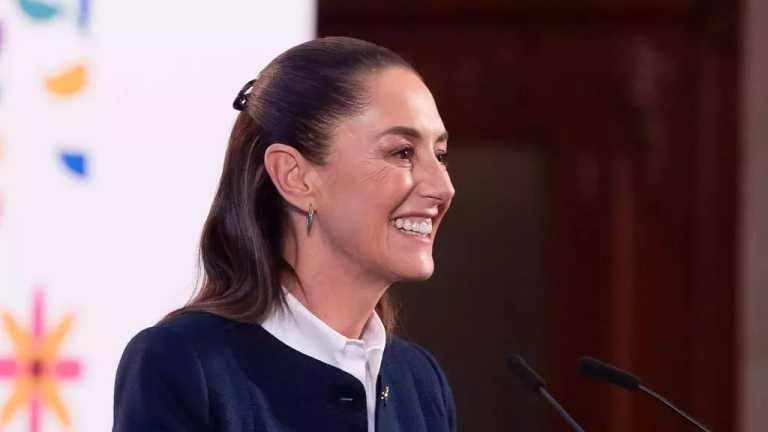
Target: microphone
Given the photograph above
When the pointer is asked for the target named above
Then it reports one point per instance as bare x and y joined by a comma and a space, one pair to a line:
599, 370
533, 382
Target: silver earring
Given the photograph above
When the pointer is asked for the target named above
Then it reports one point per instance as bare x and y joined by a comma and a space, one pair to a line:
310, 216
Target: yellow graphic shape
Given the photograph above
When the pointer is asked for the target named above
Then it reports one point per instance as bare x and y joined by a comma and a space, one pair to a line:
19, 397
51, 398
67, 82
36, 360
52, 341
22, 342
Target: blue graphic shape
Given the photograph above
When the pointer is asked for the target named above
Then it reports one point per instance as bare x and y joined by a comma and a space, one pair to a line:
76, 163
84, 14
38, 10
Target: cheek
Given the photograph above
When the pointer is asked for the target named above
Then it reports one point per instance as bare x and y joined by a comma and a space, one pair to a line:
377, 183
364, 203
385, 189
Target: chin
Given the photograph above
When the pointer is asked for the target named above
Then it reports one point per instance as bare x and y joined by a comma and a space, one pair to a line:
417, 278
415, 273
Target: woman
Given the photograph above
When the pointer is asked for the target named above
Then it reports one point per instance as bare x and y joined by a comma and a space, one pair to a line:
333, 188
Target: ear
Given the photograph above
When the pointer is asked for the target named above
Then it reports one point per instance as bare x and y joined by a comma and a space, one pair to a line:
290, 173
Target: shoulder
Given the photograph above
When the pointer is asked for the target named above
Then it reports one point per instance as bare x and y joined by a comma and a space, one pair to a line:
160, 382
198, 325
427, 375
177, 341
175, 349
415, 356
189, 332
198, 329
421, 364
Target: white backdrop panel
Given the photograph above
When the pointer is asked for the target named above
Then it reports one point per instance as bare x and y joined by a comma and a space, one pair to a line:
116, 245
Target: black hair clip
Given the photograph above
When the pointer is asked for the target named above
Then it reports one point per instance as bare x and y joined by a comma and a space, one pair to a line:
242, 96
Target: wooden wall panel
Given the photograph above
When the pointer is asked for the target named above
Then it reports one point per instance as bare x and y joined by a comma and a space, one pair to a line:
634, 104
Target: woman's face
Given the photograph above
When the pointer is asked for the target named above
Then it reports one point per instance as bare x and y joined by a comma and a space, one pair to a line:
385, 186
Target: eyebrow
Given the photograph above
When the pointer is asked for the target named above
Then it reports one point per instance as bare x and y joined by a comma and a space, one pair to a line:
411, 133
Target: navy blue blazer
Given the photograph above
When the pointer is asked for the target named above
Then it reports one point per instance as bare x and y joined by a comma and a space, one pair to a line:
202, 372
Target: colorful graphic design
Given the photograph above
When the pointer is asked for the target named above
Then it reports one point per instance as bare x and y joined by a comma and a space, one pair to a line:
39, 10
37, 368
84, 13
44, 11
67, 82
76, 163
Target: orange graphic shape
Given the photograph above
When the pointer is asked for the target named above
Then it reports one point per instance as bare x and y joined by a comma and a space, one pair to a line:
51, 398
38, 359
22, 342
22, 390
67, 82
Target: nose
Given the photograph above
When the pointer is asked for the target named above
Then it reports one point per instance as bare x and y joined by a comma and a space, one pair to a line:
433, 181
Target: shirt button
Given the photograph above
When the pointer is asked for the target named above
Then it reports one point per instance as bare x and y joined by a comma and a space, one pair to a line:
347, 396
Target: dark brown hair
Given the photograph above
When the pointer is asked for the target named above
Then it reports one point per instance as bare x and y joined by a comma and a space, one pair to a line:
296, 100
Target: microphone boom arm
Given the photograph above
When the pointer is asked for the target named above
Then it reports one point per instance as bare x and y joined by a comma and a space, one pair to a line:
669, 405
563, 413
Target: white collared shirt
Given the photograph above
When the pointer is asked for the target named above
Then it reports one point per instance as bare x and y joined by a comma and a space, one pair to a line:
301, 330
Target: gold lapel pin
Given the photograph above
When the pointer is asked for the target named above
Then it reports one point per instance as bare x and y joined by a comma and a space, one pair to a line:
384, 395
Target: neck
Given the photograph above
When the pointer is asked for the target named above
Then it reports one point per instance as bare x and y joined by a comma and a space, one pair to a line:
333, 289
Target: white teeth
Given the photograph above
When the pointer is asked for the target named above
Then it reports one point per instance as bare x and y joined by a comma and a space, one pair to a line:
421, 226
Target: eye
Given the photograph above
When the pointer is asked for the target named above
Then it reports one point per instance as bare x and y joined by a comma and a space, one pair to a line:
442, 157
405, 153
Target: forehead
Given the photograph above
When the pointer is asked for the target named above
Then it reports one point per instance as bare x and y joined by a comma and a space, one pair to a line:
398, 97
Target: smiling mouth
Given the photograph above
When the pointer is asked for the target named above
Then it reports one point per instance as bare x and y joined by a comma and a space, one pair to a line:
414, 226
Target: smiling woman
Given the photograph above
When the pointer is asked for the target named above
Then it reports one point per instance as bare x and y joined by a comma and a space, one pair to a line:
333, 188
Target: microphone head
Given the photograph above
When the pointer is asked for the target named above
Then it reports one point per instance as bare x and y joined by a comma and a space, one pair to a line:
597, 369
528, 377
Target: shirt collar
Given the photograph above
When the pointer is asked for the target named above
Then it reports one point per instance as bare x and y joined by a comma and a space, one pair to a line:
300, 329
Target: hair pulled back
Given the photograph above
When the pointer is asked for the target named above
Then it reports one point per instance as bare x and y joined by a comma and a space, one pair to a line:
296, 100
